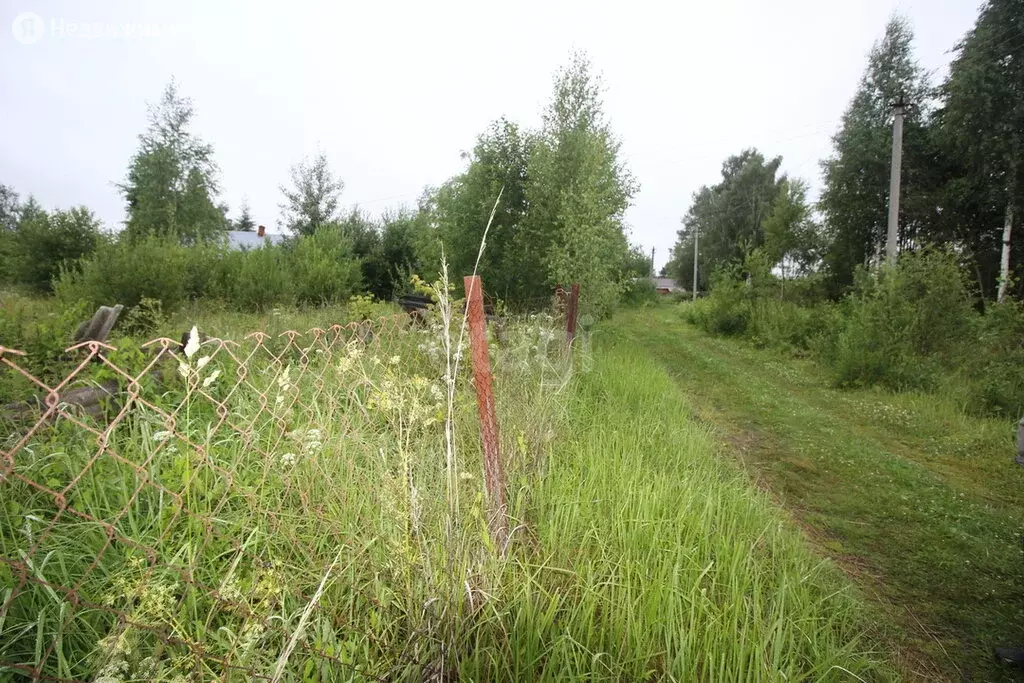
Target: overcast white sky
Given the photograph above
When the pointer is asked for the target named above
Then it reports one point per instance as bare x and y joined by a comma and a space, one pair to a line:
394, 91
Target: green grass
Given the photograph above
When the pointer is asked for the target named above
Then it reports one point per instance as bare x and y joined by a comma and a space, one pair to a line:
658, 561
921, 504
638, 551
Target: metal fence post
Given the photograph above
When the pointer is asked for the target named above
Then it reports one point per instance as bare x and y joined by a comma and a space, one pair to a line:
494, 474
571, 313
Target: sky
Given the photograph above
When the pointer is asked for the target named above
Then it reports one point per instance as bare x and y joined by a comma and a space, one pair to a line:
394, 92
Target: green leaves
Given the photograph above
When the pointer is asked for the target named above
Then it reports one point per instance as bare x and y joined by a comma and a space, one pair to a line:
312, 202
729, 216
172, 179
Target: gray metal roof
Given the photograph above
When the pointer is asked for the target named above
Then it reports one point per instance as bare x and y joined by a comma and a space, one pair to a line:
241, 239
666, 283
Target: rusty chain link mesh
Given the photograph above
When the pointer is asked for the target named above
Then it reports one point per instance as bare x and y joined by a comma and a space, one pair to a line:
165, 515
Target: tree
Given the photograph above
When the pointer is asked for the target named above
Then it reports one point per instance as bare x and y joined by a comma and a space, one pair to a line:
855, 197
790, 235
245, 223
637, 263
983, 125
172, 179
577, 192
45, 242
462, 208
10, 208
312, 202
728, 216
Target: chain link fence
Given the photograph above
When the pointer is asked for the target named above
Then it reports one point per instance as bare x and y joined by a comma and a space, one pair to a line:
209, 509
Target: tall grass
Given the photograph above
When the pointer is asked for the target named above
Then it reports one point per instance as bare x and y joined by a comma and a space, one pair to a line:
316, 527
655, 560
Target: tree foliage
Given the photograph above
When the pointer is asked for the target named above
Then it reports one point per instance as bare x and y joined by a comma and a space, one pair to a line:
245, 223
577, 192
855, 197
981, 127
791, 237
171, 186
312, 201
729, 216
462, 206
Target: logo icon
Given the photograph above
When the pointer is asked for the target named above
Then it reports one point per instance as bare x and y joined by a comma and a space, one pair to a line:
28, 28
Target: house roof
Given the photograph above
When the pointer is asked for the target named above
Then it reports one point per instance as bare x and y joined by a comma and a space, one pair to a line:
242, 239
666, 283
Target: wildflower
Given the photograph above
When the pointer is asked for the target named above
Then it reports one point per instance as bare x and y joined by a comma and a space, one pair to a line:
184, 370
162, 435
192, 345
288, 459
376, 360
211, 378
283, 380
465, 476
201, 363
395, 360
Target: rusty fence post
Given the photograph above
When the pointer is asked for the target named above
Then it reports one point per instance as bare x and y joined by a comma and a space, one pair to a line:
571, 313
494, 474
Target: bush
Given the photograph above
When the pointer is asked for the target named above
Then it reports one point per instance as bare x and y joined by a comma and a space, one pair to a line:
784, 324
124, 272
727, 310
254, 280
43, 243
993, 377
906, 324
639, 291
43, 332
323, 268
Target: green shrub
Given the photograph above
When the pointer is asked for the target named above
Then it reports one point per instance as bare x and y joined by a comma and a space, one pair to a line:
255, 280
124, 272
45, 242
727, 309
323, 268
639, 291
785, 324
992, 378
44, 332
906, 324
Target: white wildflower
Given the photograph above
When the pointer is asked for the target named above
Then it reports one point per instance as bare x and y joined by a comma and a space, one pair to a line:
162, 435
288, 459
211, 379
192, 345
184, 370
395, 360
201, 363
465, 476
283, 381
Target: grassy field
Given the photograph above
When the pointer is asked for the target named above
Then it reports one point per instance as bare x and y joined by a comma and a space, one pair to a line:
922, 506
310, 523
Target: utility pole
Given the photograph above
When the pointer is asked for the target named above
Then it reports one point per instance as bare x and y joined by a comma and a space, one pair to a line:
652, 262
696, 246
892, 237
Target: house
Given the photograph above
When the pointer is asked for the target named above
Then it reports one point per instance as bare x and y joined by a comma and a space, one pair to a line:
666, 285
242, 239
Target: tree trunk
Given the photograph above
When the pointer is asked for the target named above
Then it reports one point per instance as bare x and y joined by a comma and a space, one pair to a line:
1004, 264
